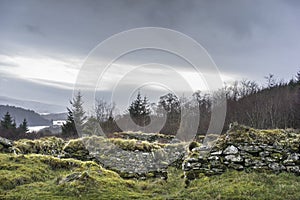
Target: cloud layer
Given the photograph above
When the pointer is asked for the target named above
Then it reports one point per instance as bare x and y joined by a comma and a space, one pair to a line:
44, 43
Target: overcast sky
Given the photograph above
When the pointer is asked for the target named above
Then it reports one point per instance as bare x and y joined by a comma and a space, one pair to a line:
44, 43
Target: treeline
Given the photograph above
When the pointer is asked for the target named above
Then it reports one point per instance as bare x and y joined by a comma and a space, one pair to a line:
10, 130
275, 105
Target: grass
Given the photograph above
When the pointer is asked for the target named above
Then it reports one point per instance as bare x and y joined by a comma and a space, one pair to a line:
45, 177
132, 145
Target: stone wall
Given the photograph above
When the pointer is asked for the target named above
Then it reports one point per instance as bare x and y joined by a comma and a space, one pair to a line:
244, 148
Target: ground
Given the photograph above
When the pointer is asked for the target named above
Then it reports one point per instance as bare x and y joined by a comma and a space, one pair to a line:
34, 176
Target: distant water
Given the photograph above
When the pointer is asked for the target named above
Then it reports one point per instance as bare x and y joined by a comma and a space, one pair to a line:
36, 128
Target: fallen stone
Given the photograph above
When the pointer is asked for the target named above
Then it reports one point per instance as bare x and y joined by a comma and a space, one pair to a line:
231, 150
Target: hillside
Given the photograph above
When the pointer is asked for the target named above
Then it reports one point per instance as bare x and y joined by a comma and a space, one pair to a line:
19, 114
55, 116
32, 105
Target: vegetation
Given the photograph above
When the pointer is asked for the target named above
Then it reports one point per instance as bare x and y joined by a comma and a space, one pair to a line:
139, 110
45, 177
76, 118
9, 129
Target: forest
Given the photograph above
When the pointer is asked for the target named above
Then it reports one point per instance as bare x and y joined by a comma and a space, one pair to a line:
269, 106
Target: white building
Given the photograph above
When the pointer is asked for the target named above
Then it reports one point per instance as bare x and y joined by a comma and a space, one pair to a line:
58, 122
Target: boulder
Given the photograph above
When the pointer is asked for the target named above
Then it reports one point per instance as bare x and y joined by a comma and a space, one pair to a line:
5, 145
231, 150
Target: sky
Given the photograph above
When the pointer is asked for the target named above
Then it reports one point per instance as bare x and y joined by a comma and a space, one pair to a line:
45, 43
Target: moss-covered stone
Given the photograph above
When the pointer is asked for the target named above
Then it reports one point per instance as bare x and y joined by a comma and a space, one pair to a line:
245, 148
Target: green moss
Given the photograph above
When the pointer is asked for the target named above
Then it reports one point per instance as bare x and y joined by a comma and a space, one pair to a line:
47, 146
45, 177
132, 145
193, 145
76, 149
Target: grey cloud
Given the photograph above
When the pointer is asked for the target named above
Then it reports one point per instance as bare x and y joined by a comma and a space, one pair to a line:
250, 37
8, 64
34, 29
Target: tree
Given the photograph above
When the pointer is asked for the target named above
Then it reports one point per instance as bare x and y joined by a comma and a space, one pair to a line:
140, 110
7, 122
298, 77
76, 117
271, 81
169, 104
23, 126
69, 128
104, 111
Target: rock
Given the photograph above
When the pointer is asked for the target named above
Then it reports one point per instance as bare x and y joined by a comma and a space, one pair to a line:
231, 150
264, 154
213, 158
277, 156
276, 167
6, 142
234, 158
293, 169
5, 145
292, 159
216, 153
76, 149
268, 159
253, 149
236, 166
74, 177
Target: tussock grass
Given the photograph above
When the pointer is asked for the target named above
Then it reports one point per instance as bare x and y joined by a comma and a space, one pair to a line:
45, 177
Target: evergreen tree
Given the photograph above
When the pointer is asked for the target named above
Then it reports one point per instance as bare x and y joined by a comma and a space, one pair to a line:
140, 110
23, 126
7, 122
69, 128
76, 117
298, 77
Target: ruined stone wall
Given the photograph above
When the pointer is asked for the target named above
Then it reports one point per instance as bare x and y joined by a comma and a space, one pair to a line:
247, 149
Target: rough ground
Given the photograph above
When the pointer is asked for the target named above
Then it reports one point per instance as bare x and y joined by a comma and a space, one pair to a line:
38, 170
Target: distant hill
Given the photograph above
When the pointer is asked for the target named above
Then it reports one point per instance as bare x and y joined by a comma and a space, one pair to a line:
33, 118
32, 105
55, 116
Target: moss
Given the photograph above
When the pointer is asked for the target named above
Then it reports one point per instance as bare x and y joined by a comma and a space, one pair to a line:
149, 137
243, 134
76, 149
193, 145
47, 146
132, 145
33, 177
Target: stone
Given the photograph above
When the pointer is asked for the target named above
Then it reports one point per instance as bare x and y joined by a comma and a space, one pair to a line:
268, 159
213, 158
253, 149
74, 176
234, 158
216, 153
276, 167
236, 166
231, 150
292, 159
6, 142
277, 156
264, 154
293, 169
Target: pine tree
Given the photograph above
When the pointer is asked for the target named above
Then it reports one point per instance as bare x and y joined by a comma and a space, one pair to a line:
76, 117
23, 126
69, 128
140, 110
7, 122
298, 77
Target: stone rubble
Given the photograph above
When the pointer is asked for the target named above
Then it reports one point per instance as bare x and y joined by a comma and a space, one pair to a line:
245, 149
